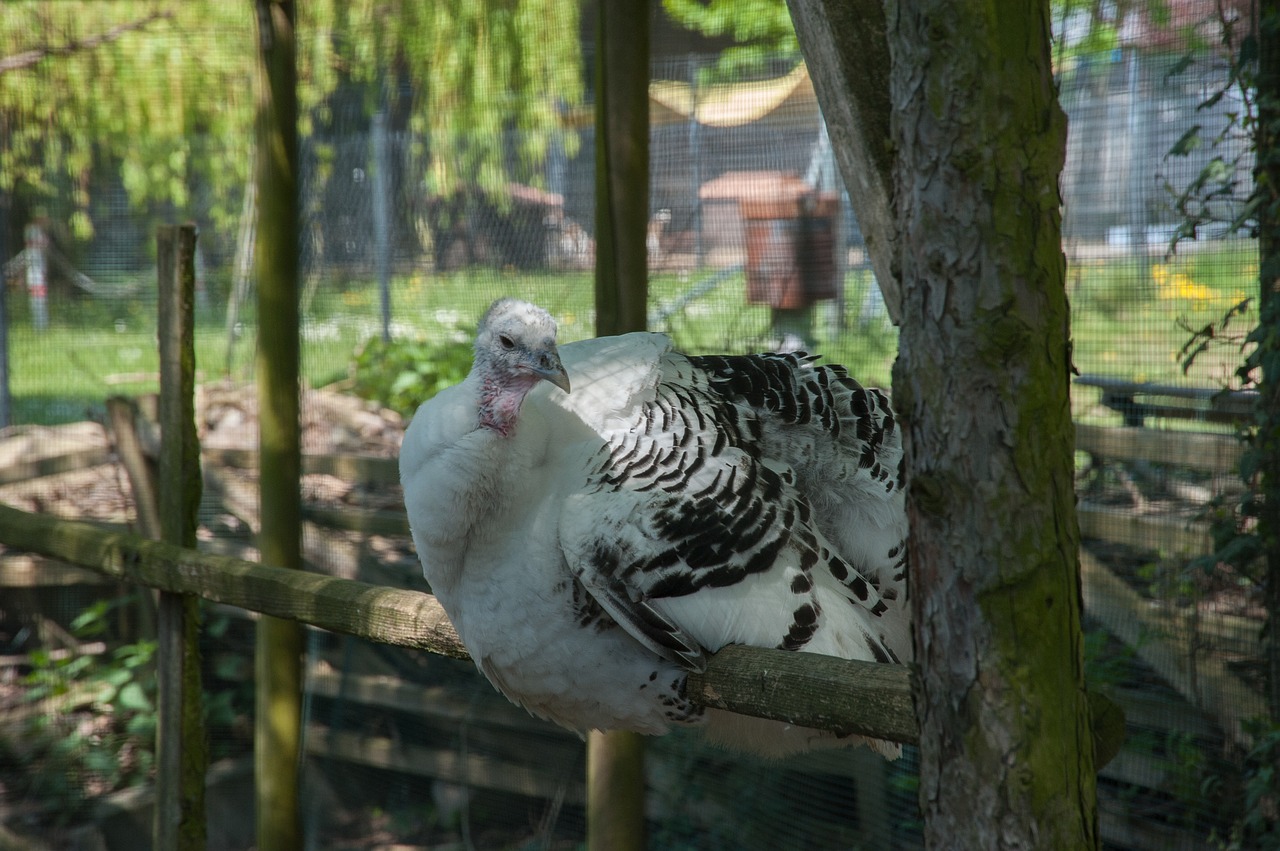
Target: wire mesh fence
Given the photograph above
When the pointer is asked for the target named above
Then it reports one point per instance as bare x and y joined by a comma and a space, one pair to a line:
752, 244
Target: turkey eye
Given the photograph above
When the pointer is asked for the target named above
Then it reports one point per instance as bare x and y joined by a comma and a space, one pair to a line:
506, 341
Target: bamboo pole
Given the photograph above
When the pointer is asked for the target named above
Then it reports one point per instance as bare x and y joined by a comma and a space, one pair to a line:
615, 760
181, 746
278, 670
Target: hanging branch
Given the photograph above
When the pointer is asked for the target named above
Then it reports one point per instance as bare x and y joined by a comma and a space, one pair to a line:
35, 55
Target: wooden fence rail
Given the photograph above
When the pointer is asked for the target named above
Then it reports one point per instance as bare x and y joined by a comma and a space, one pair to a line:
812, 690
808, 689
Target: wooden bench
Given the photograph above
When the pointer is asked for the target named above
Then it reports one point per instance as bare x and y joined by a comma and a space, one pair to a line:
1137, 401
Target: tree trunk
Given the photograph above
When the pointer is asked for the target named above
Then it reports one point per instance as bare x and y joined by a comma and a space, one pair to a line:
278, 654
982, 385
1267, 442
844, 45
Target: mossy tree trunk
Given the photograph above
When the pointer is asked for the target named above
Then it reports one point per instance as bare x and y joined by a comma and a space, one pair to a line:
615, 760
982, 385
278, 668
1267, 336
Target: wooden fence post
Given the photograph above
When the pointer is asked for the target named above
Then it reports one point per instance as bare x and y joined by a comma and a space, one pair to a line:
615, 761
181, 748
278, 654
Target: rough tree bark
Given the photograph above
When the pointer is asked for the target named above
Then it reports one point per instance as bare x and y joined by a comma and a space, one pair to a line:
982, 386
1267, 336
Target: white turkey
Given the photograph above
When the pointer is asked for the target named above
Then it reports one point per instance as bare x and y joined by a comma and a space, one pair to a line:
598, 518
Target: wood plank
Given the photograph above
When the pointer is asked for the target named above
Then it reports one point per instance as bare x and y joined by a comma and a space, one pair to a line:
797, 696
389, 615
366, 469
1215, 453
470, 769
182, 758
807, 689
25, 469
1157, 712
23, 570
439, 702
448, 705
1203, 680
368, 521
1166, 535
1198, 403
1229, 633
1122, 828
122, 414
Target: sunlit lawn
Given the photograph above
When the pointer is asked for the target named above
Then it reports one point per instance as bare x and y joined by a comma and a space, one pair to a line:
1132, 317
64, 373
1126, 322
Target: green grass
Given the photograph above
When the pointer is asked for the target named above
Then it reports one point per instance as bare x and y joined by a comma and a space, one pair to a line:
92, 350
1132, 316
1126, 318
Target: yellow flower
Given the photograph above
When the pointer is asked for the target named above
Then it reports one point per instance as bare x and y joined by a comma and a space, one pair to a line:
1178, 285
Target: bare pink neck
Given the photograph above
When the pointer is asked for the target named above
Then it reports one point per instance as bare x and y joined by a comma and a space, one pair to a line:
500, 400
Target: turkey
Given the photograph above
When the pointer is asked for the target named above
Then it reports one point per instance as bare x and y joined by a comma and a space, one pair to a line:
598, 518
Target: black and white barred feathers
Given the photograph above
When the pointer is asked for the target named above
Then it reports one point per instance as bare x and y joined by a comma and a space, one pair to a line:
598, 518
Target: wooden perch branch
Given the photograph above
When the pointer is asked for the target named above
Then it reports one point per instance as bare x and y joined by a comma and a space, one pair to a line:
35, 55
824, 692
388, 615
810, 690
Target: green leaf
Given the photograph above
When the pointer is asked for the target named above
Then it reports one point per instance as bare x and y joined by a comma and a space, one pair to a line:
142, 725
92, 621
134, 699
1187, 142
117, 677
406, 381
1248, 50
1188, 59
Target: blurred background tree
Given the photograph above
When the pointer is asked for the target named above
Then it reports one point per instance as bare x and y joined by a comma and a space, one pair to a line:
126, 84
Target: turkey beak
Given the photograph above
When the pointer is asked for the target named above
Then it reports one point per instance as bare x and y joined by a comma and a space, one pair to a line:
550, 369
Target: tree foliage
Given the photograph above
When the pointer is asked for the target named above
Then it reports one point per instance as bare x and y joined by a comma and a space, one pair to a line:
168, 103
479, 68
760, 29
142, 103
